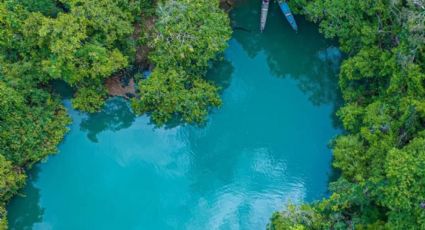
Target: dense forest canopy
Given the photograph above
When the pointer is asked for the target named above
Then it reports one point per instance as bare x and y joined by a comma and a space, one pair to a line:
381, 158
187, 37
85, 42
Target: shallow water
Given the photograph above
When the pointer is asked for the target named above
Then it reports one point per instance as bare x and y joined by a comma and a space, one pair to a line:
265, 146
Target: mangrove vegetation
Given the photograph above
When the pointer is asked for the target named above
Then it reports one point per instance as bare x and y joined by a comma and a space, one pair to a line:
379, 159
85, 42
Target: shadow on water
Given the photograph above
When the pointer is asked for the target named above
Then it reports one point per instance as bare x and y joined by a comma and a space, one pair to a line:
29, 204
116, 115
306, 56
220, 73
62, 89
239, 167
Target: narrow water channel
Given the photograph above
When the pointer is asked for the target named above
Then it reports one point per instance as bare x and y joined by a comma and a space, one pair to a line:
266, 146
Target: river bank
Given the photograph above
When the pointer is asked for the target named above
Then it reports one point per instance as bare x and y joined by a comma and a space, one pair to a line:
265, 146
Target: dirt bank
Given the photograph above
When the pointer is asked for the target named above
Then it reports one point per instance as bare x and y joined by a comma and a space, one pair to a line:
122, 85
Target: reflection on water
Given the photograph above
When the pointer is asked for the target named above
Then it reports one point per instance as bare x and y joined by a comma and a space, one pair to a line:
116, 115
28, 204
266, 146
220, 73
305, 56
289, 54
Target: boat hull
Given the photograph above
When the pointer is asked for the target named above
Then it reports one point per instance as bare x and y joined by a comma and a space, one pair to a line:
264, 13
288, 15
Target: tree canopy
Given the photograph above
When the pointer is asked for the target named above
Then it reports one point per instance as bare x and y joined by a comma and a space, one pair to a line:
188, 36
84, 42
380, 157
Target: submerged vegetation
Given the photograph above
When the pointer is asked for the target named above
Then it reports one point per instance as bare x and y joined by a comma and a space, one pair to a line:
85, 42
381, 157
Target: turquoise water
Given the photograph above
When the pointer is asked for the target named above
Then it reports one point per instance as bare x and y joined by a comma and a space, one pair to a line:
265, 146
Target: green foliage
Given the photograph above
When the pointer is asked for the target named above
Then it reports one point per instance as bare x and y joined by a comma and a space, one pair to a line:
79, 41
88, 99
404, 194
3, 217
83, 45
11, 180
83, 42
382, 155
188, 35
166, 94
28, 133
355, 23
46, 7
295, 218
30, 128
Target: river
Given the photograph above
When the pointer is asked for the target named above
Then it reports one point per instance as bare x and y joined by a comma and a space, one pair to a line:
266, 146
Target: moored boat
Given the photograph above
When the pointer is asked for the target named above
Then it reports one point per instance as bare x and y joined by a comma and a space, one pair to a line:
288, 14
264, 12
